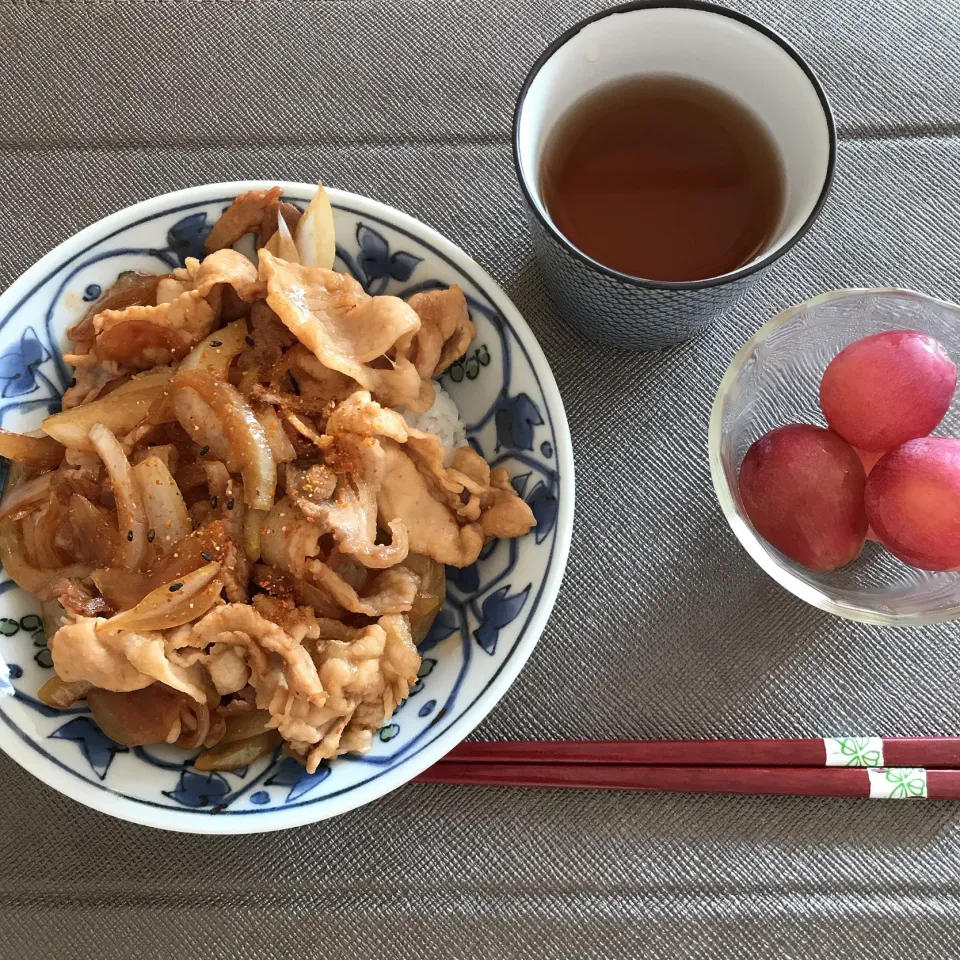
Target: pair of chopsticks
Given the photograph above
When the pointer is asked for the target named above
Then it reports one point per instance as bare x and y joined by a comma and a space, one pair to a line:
917, 767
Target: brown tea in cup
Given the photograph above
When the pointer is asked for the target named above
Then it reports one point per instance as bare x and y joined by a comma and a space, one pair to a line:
665, 178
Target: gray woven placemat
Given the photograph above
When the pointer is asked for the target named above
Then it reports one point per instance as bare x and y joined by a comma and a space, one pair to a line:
103, 104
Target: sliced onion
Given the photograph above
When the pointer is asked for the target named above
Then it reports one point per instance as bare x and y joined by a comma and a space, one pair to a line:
28, 537
431, 594
250, 380
23, 573
280, 446
23, 498
194, 726
303, 428
316, 238
16, 475
162, 502
242, 726
52, 613
124, 589
171, 604
46, 521
216, 352
281, 244
198, 419
94, 529
232, 756
310, 595
38, 453
61, 694
138, 343
252, 529
167, 452
248, 448
189, 477
215, 730
218, 477
131, 519
120, 411
138, 717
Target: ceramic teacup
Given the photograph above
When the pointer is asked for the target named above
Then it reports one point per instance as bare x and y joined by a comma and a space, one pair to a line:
704, 42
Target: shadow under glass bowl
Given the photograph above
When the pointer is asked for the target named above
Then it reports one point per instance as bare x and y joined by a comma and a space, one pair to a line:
774, 380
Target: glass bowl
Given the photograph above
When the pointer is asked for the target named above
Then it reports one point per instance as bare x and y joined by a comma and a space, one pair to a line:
774, 380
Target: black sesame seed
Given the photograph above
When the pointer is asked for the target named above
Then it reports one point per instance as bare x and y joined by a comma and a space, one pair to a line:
250, 341
214, 501
230, 503
130, 535
151, 534
73, 382
294, 382
174, 587
216, 343
204, 451
206, 556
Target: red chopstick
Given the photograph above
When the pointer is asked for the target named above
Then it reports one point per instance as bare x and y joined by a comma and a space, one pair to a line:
824, 767
928, 752
884, 782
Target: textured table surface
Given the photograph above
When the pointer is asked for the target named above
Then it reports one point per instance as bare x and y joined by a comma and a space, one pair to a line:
664, 627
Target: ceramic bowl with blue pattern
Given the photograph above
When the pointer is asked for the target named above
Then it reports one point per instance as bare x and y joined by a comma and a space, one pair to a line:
495, 609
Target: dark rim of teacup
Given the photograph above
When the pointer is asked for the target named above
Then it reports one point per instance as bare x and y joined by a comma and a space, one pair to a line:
739, 273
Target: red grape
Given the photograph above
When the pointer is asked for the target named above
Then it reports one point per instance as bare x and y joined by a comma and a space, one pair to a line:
869, 459
913, 502
802, 488
888, 388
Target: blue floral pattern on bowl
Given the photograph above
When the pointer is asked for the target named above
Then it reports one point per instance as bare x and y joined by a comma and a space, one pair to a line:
482, 635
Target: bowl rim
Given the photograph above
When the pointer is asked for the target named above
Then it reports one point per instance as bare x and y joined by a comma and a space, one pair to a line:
749, 539
22, 750
703, 6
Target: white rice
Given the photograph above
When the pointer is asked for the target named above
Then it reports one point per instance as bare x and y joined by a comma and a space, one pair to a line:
442, 418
